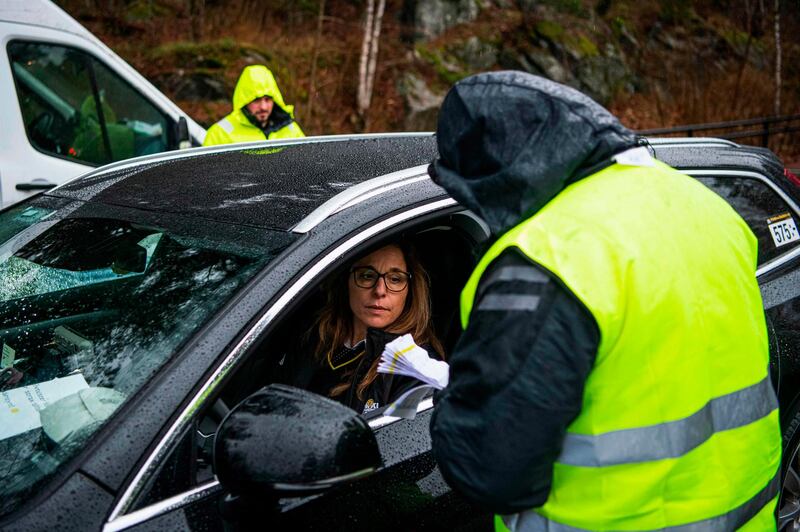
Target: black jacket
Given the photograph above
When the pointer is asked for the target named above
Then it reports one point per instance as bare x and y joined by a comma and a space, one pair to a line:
509, 143
351, 364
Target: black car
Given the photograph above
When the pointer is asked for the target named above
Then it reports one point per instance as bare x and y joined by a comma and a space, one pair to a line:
151, 305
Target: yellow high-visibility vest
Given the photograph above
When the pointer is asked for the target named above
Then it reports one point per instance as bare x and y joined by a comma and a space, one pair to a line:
679, 424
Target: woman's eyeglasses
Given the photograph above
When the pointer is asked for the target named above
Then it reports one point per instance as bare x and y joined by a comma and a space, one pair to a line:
367, 277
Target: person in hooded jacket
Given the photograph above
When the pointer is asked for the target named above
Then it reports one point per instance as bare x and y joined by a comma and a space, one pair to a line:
259, 112
613, 369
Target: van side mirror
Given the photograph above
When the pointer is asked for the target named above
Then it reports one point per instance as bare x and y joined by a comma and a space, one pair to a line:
286, 442
184, 140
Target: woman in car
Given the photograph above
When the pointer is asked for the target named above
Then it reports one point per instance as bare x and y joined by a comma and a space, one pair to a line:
384, 295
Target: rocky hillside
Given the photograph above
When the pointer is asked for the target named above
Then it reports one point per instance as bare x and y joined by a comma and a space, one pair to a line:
655, 63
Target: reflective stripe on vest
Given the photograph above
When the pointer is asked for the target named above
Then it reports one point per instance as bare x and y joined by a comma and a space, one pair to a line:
672, 439
226, 125
509, 302
736, 518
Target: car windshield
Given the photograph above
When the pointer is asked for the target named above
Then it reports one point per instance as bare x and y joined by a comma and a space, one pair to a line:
93, 301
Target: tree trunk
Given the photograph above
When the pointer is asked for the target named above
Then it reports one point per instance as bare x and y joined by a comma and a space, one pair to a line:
373, 52
362, 102
749, 11
369, 58
314, 56
777, 57
197, 16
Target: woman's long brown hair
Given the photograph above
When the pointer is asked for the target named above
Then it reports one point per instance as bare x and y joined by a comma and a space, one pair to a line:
335, 324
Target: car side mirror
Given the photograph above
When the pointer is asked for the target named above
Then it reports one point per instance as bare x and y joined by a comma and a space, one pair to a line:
286, 442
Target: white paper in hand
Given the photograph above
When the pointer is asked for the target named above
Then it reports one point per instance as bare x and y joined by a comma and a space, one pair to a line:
406, 405
402, 356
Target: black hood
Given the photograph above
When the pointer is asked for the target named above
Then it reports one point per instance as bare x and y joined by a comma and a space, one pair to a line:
509, 142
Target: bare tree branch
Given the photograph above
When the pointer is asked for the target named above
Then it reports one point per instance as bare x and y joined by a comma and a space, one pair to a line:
749, 12
314, 57
369, 58
373, 52
197, 15
777, 110
362, 100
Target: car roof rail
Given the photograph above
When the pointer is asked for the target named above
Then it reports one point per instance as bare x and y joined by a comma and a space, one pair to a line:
694, 141
359, 193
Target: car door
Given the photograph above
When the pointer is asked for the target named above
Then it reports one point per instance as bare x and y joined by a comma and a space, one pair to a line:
408, 489
407, 493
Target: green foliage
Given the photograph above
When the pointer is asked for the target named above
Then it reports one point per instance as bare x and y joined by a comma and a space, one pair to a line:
142, 10
586, 46
445, 65
579, 43
330, 61
618, 26
212, 55
570, 7
738, 40
310, 7
549, 30
676, 11
190, 48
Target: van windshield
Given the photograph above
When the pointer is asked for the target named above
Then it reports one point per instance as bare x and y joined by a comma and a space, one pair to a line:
93, 301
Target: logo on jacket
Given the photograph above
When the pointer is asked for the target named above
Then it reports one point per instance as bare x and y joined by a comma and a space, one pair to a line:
370, 405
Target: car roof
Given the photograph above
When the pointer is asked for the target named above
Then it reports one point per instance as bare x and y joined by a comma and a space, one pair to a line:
41, 13
699, 154
270, 185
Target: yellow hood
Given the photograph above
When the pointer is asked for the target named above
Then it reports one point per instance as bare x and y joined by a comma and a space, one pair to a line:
257, 81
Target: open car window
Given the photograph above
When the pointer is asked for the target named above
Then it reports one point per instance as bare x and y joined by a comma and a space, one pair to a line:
285, 353
92, 304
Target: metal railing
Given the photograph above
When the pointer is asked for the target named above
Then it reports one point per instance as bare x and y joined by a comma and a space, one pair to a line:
737, 129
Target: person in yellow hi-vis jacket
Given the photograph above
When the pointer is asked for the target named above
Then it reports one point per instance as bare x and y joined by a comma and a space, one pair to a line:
259, 112
613, 370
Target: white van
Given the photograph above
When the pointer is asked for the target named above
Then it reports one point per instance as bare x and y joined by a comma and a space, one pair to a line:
68, 103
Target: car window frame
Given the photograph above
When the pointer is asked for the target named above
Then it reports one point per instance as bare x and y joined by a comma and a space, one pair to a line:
170, 120
121, 517
781, 259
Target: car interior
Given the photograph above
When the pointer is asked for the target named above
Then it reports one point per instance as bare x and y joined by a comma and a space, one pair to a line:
447, 247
